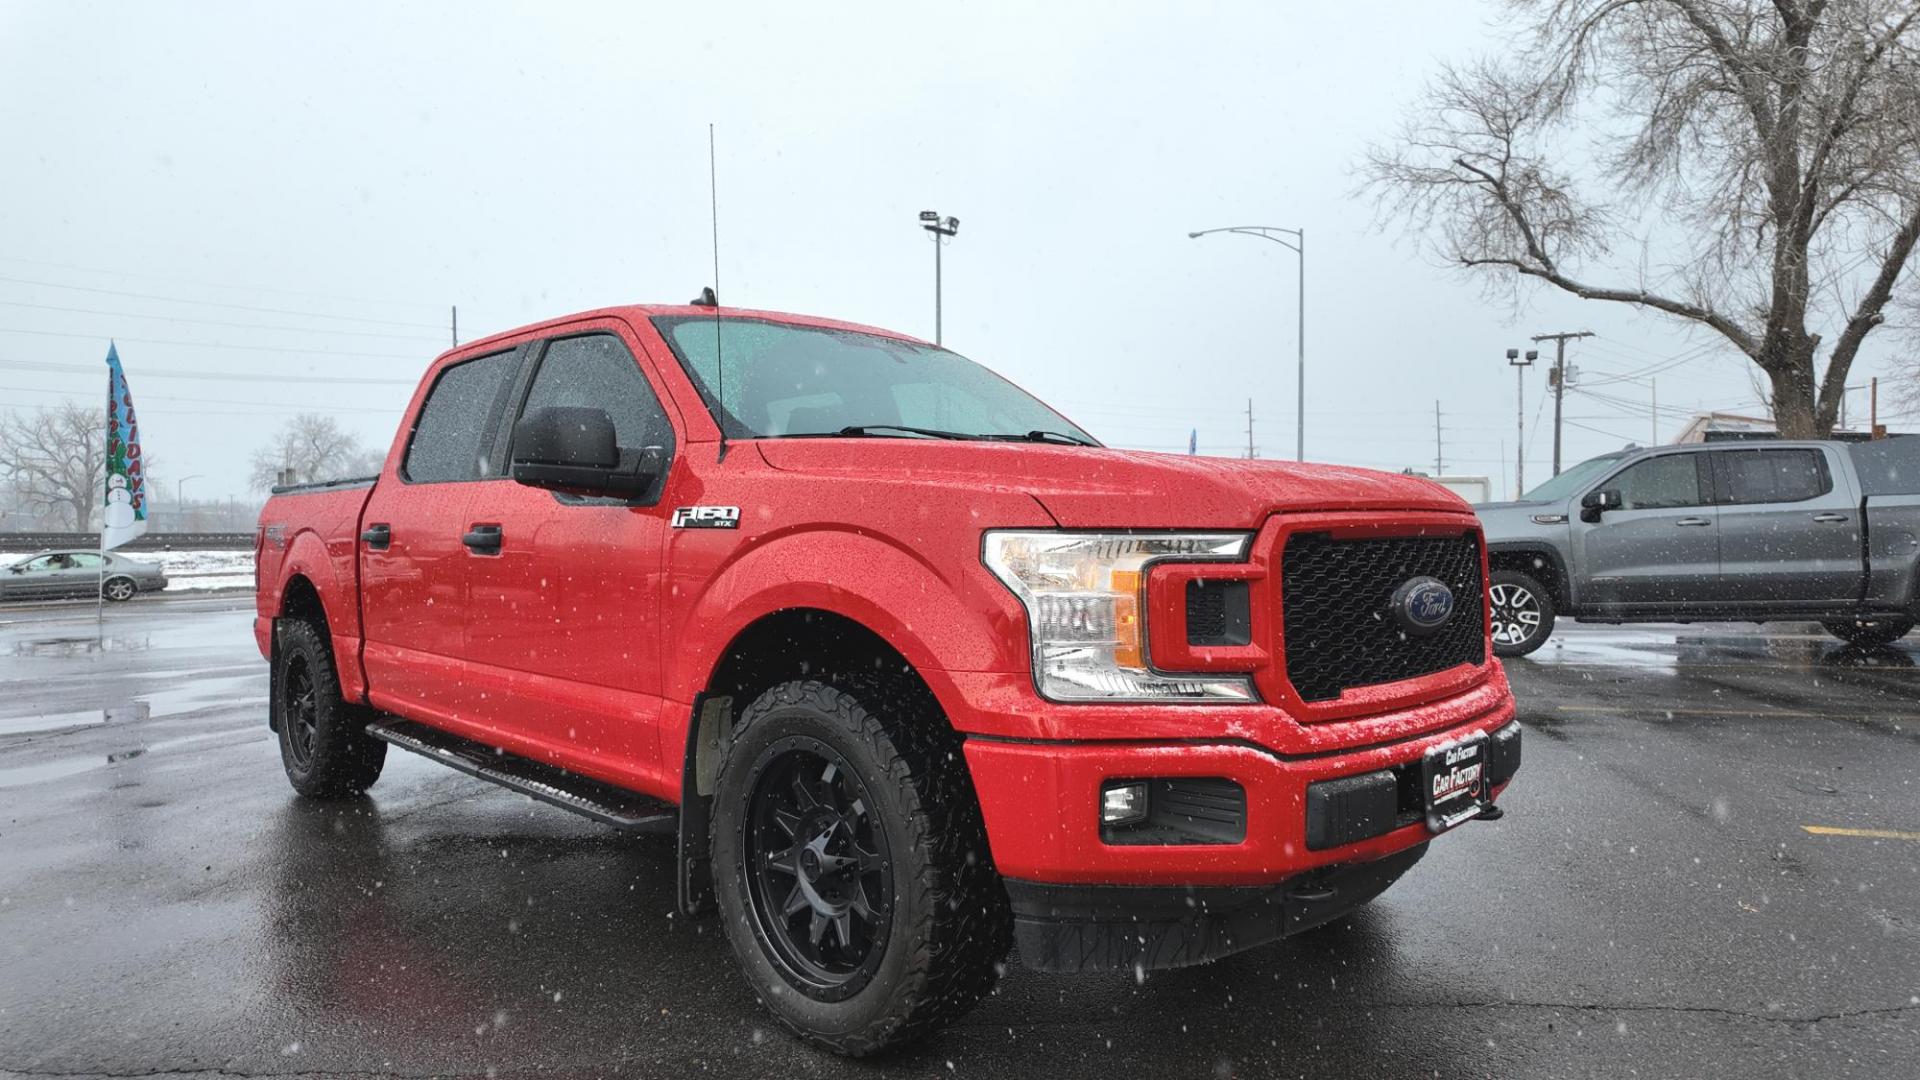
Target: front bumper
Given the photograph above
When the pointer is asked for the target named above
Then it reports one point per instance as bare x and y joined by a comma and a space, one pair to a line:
1317, 843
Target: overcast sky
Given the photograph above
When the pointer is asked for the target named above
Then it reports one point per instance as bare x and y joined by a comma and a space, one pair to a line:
264, 193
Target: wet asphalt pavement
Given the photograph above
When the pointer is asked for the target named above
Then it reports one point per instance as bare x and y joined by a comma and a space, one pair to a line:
1654, 903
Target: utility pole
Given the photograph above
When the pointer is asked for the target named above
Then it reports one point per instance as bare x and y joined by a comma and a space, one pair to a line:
1520, 367
1557, 378
1653, 392
1249, 429
456, 326
940, 227
1439, 469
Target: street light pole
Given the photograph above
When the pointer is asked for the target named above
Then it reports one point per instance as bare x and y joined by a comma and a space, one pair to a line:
939, 227
179, 493
1520, 412
1298, 245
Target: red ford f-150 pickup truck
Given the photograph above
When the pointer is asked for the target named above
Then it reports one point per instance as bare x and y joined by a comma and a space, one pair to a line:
913, 666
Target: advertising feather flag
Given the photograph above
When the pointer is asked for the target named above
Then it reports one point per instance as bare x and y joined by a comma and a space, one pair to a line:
126, 483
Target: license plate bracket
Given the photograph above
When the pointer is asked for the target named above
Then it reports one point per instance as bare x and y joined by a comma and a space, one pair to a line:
1454, 782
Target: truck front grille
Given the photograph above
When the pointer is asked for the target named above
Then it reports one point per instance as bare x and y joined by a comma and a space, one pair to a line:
1336, 596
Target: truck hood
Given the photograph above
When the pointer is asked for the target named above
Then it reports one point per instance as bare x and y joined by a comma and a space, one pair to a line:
1086, 488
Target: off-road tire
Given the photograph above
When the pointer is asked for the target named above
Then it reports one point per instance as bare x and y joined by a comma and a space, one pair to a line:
1869, 633
1500, 586
950, 926
336, 758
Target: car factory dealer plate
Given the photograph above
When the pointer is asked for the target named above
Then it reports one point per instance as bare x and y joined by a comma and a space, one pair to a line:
1455, 781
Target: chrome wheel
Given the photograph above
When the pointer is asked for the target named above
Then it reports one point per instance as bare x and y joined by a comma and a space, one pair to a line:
118, 589
1516, 614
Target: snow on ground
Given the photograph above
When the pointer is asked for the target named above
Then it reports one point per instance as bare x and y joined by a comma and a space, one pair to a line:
187, 571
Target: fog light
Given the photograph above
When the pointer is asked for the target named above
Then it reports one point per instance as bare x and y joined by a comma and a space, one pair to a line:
1123, 803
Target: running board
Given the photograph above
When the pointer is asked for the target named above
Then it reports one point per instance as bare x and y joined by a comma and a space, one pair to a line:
609, 805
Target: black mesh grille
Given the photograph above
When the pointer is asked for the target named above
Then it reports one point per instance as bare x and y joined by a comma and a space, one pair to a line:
1334, 601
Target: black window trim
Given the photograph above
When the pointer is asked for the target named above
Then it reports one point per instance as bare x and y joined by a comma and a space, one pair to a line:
489, 433
522, 388
1704, 475
1723, 478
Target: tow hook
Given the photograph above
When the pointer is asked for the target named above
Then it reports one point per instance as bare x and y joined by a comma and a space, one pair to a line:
1490, 812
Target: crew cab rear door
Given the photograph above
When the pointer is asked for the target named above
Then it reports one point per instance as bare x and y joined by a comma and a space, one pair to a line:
1789, 527
413, 558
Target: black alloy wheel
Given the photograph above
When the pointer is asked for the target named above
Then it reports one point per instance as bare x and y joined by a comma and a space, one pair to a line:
820, 880
302, 711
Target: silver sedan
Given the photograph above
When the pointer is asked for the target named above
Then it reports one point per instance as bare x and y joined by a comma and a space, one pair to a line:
79, 573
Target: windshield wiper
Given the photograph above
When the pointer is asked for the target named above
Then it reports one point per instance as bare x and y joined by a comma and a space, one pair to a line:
1058, 436
881, 429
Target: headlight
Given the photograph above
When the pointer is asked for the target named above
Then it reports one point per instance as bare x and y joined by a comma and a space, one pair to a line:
1084, 594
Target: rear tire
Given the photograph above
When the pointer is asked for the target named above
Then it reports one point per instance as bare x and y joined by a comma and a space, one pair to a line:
323, 738
1869, 633
118, 589
850, 865
1522, 613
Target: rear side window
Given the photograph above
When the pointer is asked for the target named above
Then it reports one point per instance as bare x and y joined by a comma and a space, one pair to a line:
1661, 483
1772, 476
597, 371
451, 438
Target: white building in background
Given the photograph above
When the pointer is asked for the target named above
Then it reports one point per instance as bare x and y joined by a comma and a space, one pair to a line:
1727, 426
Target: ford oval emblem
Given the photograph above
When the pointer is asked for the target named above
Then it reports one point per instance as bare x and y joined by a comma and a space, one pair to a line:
1422, 605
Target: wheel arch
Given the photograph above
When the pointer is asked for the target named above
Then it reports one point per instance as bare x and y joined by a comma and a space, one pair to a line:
778, 646
1539, 561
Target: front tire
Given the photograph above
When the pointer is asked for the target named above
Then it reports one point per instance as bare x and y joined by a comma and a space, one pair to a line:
118, 589
1522, 613
850, 864
1869, 633
323, 738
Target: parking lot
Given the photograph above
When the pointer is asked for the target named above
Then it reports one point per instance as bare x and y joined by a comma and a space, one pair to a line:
1710, 866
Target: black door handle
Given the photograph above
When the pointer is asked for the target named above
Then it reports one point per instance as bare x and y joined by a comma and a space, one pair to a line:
377, 537
483, 539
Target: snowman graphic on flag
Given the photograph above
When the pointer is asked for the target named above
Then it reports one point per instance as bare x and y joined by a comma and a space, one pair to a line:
125, 514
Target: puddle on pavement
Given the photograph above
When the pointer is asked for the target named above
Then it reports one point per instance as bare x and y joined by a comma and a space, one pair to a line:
61, 768
81, 646
130, 713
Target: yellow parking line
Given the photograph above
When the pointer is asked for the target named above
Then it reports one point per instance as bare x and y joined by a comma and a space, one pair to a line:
1870, 834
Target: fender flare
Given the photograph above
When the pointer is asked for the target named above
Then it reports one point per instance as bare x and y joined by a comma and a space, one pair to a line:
307, 557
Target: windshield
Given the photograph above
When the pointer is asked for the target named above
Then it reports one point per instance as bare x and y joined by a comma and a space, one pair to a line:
780, 380
1574, 478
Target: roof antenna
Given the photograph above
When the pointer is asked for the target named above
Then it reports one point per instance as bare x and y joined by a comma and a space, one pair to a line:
713, 295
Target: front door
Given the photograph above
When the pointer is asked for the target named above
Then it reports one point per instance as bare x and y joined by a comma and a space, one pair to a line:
1789, 528
1661, 547
413, 562
563, 638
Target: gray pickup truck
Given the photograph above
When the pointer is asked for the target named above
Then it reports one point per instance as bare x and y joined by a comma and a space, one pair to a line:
1738, 532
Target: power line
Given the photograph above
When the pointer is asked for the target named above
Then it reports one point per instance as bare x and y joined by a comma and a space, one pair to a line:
215, 401
218, 304
216, 345
175, 373
215, 322
177, 280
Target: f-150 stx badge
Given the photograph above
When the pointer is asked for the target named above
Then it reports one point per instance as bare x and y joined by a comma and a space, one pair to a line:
706, 517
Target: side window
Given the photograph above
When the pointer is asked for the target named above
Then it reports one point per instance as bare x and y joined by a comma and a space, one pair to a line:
1772, 476
597, 371
44, 562
450, 438
88, 561
1661, 483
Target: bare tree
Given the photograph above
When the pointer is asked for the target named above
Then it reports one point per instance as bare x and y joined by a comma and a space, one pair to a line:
1763, 156
54, 460
313, 447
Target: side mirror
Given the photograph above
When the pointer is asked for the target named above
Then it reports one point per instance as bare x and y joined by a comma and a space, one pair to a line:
1595, 503
572, 448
